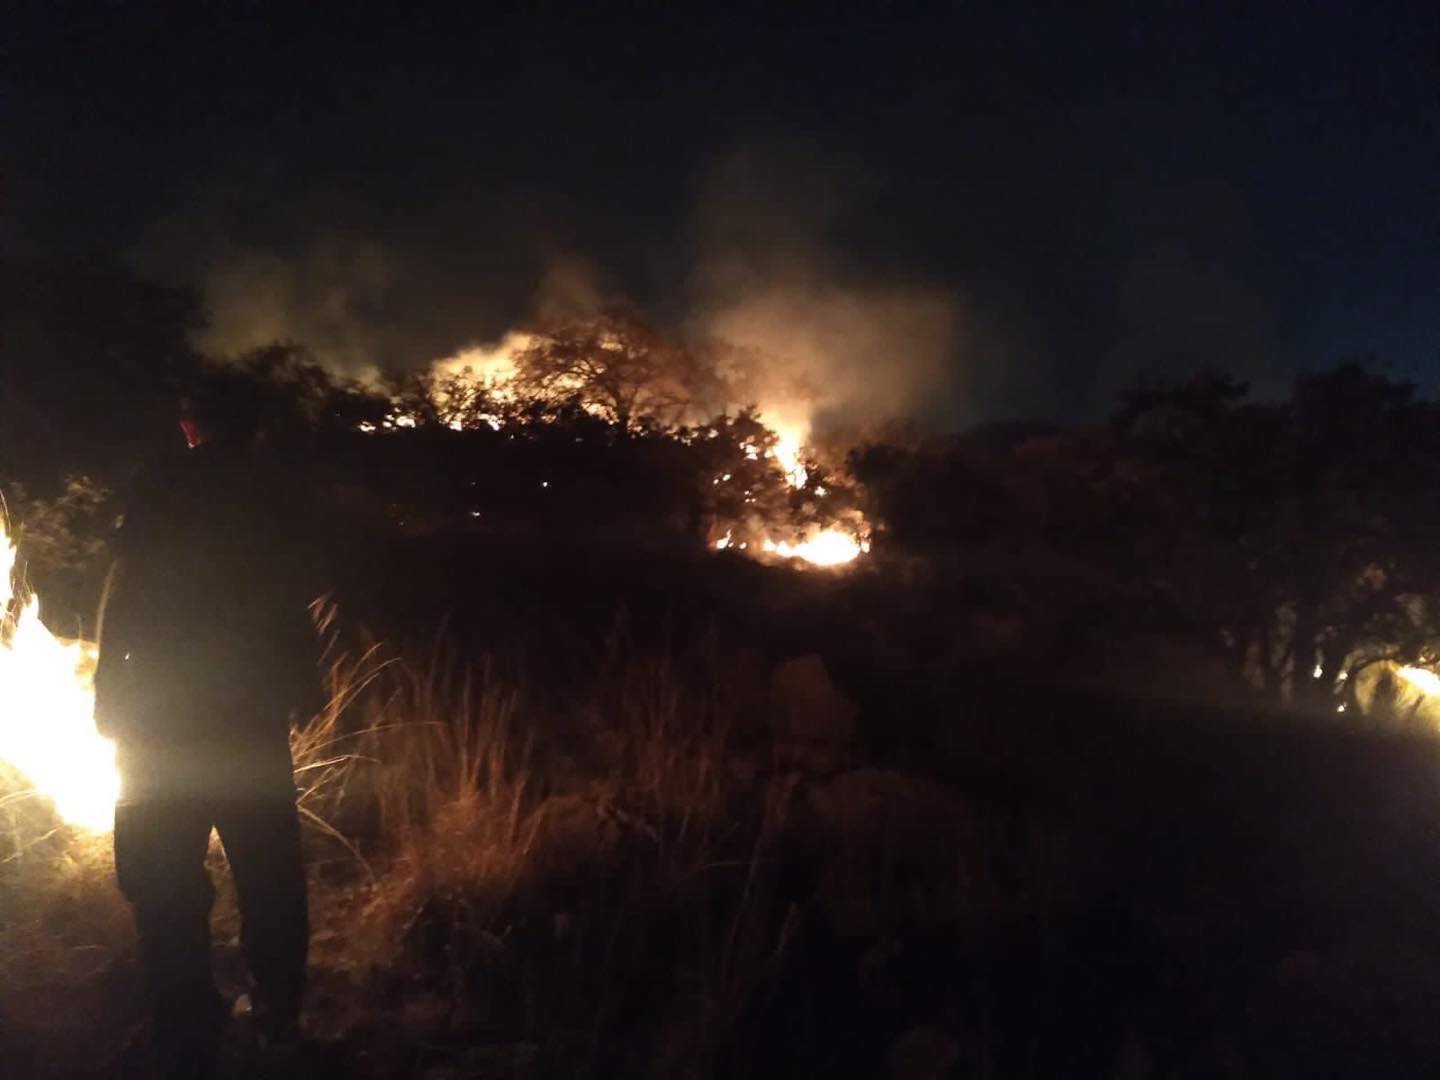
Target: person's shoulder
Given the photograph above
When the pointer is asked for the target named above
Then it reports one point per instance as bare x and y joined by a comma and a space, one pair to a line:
177, 480
143, 499
156, 474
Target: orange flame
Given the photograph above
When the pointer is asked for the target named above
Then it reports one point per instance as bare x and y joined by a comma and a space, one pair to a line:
47, 700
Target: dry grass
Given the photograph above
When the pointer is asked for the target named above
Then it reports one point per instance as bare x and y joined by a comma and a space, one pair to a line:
518, 888
67, 967
602, 881
608, 893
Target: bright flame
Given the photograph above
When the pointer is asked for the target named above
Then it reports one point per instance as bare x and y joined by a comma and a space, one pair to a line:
493, 365
829, 548
789, 441
47, 698
1423, 679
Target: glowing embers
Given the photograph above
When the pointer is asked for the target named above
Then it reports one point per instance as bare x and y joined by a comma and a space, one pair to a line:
827, 548
47, 728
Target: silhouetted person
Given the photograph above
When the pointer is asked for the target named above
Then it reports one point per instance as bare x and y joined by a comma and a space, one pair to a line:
207, 653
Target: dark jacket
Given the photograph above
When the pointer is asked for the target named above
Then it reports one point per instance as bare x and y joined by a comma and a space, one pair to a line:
206, 635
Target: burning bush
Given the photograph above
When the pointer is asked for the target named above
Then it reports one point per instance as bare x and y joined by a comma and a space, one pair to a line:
613, 391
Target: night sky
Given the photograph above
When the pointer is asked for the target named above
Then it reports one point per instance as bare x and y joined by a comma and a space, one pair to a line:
1093, 194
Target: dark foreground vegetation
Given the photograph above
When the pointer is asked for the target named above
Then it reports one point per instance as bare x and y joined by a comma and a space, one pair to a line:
1054, 783
693, 862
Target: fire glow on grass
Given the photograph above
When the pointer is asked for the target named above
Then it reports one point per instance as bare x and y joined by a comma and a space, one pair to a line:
47, 697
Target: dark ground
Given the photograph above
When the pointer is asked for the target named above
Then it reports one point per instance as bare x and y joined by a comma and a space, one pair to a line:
1149, 888
993, 873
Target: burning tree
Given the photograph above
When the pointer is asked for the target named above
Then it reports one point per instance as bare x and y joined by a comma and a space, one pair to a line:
763, 500
1296, 537
754, 488
619, 366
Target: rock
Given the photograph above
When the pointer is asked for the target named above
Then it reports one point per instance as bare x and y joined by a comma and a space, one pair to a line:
894, 845
910, 817
573, 834
505, 1059
812, 722
424, 1016
922, 1053
1133, 1060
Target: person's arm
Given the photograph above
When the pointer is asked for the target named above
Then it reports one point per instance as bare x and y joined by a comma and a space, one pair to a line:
118, 624
305, 577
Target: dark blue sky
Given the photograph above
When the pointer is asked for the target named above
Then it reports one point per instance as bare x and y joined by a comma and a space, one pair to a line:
1108, 191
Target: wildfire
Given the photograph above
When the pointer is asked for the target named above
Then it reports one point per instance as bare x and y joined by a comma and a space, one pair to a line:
489, 366
789, 442
830, 547
827, 547
47, 727
493, 368
493, 365
1423, 679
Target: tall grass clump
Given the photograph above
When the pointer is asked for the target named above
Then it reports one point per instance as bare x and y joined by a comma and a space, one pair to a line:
591, 874
67, 956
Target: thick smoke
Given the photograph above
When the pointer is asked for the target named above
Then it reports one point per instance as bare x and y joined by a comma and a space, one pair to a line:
364, 288
571, 289
328, 300
859, 354
772, 273
763, 259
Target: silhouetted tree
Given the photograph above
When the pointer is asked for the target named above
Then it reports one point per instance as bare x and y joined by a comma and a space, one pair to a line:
618, 365
1301, 530
454, 400
91, 363
289, 393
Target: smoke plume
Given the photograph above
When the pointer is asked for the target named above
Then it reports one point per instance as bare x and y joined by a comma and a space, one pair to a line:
766, 257
775, 271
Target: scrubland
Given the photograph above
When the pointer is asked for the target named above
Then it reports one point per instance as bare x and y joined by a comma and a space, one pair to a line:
645, 847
